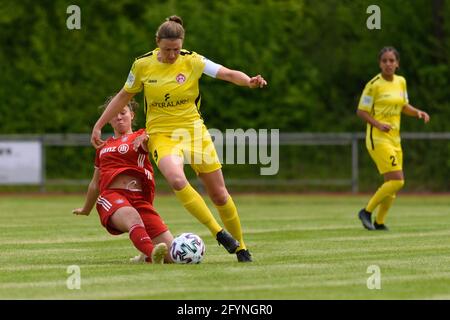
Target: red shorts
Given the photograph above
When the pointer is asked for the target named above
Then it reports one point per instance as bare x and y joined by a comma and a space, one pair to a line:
112, 199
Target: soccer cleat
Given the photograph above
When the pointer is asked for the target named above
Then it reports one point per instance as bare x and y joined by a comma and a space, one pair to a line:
159, 252
366, 219
244, 256
380, 226
139, 259
227, 241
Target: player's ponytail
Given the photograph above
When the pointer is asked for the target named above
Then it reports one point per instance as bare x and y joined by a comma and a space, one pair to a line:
176, 19
172, 28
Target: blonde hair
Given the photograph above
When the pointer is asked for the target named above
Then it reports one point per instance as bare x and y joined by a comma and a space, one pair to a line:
172, 28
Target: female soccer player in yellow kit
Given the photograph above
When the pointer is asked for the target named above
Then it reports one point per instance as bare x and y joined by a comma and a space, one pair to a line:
170, 77
382, 102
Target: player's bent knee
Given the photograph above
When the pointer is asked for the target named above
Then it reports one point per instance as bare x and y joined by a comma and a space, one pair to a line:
398, 184
220, 197
177, 182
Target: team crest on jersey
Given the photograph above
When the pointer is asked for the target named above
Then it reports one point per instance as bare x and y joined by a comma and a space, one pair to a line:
123, 148
367, 101
181, 78
119, 201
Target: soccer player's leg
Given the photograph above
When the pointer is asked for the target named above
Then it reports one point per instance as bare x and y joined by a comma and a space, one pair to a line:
211, 174
169, 158
118, 216
127, 218
159, 252
389, 163
154, 225
386, 190
218, 193
166, 238
383, 209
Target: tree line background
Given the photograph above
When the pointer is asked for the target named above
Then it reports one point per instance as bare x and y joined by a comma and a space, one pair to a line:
316, 56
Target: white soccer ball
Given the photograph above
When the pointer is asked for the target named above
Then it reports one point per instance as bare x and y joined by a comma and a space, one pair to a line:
187, 248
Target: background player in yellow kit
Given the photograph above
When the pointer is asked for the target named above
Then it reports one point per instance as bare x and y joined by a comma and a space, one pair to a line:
382, 102
170, 77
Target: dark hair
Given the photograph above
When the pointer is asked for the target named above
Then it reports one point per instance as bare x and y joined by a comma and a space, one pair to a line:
172, 28
389, 49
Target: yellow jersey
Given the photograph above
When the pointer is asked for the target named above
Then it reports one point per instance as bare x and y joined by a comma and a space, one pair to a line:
384, 101
171, 91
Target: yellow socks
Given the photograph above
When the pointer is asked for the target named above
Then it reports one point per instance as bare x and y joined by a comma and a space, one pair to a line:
387, 189
195, 204
384, 208
229, 215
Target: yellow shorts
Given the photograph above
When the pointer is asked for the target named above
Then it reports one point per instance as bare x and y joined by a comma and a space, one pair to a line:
196, 147
387, 157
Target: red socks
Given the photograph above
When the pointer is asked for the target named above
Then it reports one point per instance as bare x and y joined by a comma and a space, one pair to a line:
141, 240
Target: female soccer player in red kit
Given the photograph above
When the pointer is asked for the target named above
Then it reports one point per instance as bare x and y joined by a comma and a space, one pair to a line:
122, 188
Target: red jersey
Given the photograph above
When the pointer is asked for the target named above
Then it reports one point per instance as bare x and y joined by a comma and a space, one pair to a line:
117, 156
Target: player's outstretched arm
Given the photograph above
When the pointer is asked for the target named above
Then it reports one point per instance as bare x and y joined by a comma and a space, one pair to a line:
91, 196
241, 79
114, 107
409, 110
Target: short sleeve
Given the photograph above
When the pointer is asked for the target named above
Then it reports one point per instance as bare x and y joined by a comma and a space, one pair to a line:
198, 64
134, 83
367, 98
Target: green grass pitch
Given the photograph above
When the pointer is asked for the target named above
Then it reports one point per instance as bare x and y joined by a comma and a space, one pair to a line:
304, 247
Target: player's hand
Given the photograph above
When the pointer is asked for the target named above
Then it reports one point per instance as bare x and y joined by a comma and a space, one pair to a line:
141, 141
257, 82
96, 138
80, 211
384, 127
423, 115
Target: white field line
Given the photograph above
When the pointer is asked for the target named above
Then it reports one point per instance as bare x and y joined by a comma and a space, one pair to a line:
292, 287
